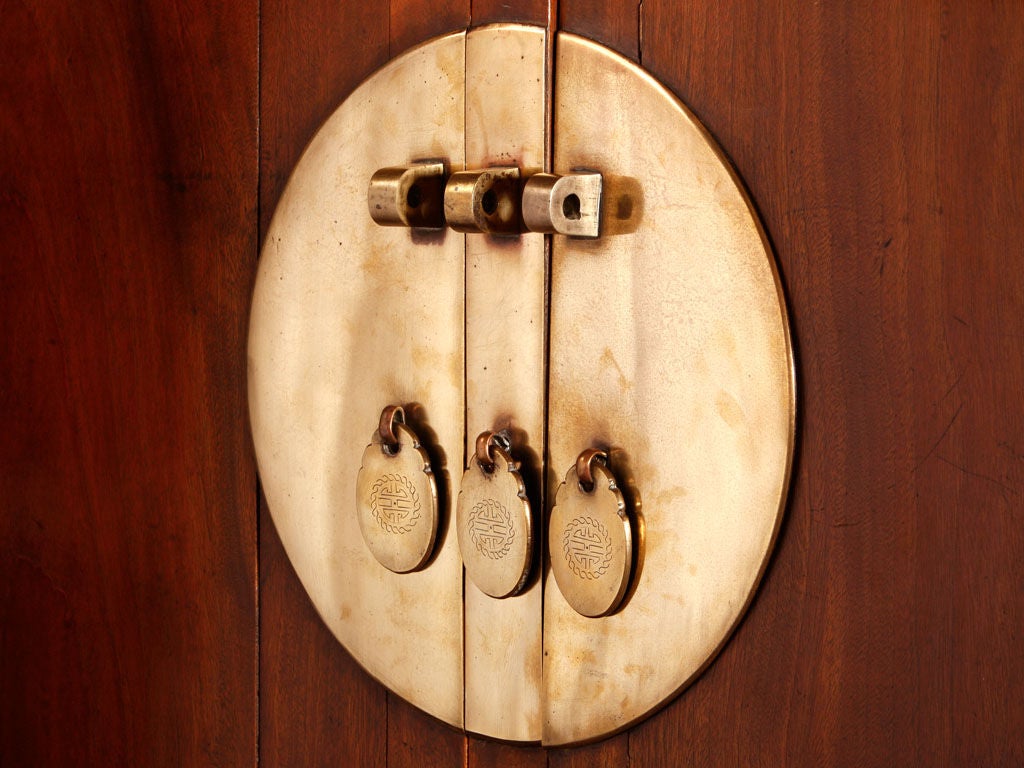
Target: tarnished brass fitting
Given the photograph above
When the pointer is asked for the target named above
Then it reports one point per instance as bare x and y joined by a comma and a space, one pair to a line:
408, 196
484, 201
568, 205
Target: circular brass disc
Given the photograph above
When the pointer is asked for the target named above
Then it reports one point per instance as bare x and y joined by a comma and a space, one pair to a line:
670, 349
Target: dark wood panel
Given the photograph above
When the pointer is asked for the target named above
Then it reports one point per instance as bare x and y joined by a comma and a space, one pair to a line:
522, 11
610, 753
483, 753
411, 20
127, 532
417, 740
969, 440
614, 23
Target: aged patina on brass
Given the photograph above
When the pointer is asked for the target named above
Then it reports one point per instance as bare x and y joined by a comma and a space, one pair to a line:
483, 201
660, 349
347, 317
506, 330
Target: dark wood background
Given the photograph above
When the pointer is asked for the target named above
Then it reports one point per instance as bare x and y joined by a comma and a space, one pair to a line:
148, 615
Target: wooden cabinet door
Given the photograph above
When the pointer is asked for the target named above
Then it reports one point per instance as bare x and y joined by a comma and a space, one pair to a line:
883, 145
128, 182
148, 614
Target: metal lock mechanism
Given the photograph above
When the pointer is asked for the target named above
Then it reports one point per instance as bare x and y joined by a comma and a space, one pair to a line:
483, 201
491, 201
566, 205
410, 196
532, 280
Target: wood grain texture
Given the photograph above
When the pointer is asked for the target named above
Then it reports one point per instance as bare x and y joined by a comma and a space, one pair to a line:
610, 753
127, 529
417, 740
482, 753
613, 24
518, 11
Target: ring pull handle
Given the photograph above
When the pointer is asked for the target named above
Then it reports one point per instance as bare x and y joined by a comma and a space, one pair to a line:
389, 442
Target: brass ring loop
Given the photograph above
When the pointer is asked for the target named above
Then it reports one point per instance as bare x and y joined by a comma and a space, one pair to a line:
583, 467
485, 443
388, 440
484, 457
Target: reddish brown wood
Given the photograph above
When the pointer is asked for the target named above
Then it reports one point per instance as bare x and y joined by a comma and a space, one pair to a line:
417, 740
522, 11
614, 23
127, 528
611, 753
482, 753
412, 19
882, 145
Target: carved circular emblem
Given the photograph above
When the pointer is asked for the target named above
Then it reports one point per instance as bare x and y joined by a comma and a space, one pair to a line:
587, 548
395, 504
490, 527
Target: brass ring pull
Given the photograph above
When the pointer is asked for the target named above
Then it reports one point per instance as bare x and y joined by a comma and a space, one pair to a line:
485, 444
396, 496
494, 519
583, 467
389, 443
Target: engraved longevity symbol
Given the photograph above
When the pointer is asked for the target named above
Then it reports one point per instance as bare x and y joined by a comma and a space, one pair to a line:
395, 504
491, 529
587, 547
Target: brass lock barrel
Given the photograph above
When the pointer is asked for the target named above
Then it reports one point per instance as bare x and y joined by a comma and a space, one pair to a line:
408, 196
484, 201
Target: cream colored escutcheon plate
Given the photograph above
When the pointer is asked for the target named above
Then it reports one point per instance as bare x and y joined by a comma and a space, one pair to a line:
667, 347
